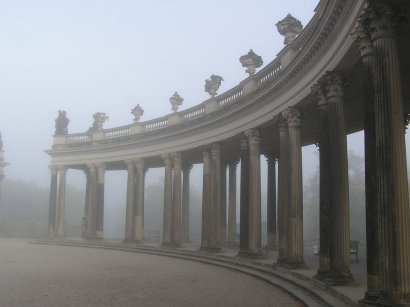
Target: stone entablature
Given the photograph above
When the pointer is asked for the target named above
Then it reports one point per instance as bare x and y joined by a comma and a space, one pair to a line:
255, 101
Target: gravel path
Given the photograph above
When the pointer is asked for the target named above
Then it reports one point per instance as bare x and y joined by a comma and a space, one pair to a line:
41, 275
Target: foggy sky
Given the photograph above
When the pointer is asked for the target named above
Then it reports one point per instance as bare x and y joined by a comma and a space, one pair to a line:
88, 56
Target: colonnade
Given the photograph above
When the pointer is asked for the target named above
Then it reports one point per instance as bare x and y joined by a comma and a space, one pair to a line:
387, 206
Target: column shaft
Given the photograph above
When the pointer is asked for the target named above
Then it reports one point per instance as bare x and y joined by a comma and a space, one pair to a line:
283, 191
100, 200
92, 197
129, 211
177, 202
52, 203
61, 203
254, 193
339, 271
222, 229
139, 200
167, 228
232, 205
206, 201
185, 203
216, 196
244, 199
271, 203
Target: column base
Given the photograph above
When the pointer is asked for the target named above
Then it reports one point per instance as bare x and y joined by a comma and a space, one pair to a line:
210, 249
251, 254
340, 279
370, 298
391, 302
170, 244
292, 264
321, 274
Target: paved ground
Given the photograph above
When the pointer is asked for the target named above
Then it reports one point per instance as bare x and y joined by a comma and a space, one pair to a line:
42, 275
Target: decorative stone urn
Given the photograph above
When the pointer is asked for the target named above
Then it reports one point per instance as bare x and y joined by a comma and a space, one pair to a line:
176, 101
289, 27
99, 119
137, 111
251, 61
213, 84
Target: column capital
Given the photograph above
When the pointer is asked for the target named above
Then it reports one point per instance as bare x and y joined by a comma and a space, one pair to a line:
292, 117
91, 168
363, 41
270, 157
334, 84
253, 136
186, 166
62, 170
100, 167
177, 157
167, 159
130, 164
233, 162
282, 124
53, 169
139, 163
381, 19
215, 149
244, 142
319, 91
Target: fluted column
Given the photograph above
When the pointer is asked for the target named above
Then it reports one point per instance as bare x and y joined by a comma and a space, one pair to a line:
271, 202
139, 200
61, 202
86, 206
380, 21
129, 211
244, 199
177, 201
339, 270
216, 196
295, 210
167, 228
283, 190
92, 201
254, 192
324, 170
100, 199
52, 202
367, 54
206, 201
222, 214
186, 169
232, 204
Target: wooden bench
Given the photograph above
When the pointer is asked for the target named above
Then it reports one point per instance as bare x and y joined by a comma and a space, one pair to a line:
354, 249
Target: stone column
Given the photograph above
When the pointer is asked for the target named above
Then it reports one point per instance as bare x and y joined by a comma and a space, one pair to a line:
138, 200
84, 224
92, 201
129, 211
61, 202
167, 228
254, 236
52, 202
232, 204
381, 20
271, 202
324, 185
186, 169
206, 201
177, 202
100, 200
244, 201
216, 196
367, 54
339, 270
295, 210
283, 193
222, 225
